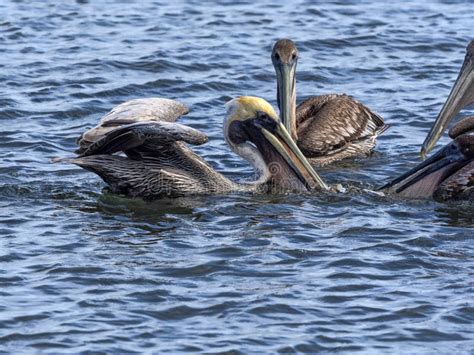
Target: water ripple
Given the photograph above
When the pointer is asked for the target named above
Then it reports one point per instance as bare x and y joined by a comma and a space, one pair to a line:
84, 270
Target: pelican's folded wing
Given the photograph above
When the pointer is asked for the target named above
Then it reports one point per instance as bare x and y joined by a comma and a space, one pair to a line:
125, 138
329, 123
139, 110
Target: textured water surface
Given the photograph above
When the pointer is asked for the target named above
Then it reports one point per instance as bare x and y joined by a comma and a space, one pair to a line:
84, 270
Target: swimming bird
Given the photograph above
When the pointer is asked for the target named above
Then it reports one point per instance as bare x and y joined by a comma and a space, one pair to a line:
449, 173
157, 162
327, 128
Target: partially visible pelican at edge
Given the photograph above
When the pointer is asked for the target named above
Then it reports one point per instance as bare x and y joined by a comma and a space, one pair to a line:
158, 163
449, 173
326, 128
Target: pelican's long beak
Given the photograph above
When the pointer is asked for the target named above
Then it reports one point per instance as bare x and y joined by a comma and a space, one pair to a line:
286, 95
462, 94
277, 135
450, 154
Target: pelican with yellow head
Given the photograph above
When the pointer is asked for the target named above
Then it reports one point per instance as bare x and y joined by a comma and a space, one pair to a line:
157, 162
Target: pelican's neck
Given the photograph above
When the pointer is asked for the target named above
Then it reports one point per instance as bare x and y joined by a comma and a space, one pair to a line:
292, 105
253, 156
466, 125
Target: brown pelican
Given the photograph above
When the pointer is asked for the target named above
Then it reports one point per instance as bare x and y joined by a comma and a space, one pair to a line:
157, 162
449, 173
326, 128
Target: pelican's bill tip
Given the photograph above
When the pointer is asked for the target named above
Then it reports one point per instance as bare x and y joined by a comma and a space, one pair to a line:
423, 152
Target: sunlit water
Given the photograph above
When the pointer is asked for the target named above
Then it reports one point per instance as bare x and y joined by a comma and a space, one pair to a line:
82, 269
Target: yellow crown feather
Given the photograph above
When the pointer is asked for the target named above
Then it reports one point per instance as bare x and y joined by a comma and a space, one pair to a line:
245, 107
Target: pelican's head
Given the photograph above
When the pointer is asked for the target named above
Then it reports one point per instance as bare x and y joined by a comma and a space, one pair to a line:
285, 58
462, 95
424, 179
253, 130
284, 52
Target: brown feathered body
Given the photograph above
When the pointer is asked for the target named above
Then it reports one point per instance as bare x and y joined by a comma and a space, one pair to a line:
457, 187
156, 161
334, 127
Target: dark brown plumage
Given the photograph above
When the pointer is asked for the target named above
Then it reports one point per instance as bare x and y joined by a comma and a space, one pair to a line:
463, 126
327, 128
459, 186
334, 127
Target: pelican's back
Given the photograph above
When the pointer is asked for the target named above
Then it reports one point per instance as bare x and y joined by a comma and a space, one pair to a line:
336, 126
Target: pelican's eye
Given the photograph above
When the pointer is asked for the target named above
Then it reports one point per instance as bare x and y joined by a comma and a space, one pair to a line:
265, 121
261, 115
293, 56
277, 56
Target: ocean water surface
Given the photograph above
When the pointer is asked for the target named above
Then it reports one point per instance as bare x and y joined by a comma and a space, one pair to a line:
85, 270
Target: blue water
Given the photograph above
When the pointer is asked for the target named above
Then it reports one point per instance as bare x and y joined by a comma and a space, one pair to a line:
85, 270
